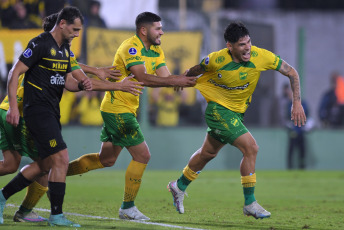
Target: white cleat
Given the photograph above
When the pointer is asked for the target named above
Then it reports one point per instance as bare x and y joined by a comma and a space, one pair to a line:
178, 196
256, 211
132, 214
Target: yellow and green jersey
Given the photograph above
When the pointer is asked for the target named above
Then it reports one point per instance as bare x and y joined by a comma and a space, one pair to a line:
20, 90
232, 84
73, 62
131, 52
20, 94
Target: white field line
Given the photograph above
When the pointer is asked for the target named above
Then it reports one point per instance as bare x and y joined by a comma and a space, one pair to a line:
108, 218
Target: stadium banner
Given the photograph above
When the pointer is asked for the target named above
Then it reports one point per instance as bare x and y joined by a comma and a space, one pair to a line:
13, 43
182, 49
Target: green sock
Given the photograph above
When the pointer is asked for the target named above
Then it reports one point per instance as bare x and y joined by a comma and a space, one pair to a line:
22, 209
126, 205
249, 195
183, 183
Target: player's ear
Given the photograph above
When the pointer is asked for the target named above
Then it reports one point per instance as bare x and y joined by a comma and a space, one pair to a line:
229, 46
144, 30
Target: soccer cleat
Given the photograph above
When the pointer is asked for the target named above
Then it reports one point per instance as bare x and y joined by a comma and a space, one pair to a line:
61, 220
256, 211
178, 196
28, 217
132, 214
2, 207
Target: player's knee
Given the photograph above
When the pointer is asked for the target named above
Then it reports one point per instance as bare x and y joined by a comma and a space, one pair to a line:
108, 162
252, 151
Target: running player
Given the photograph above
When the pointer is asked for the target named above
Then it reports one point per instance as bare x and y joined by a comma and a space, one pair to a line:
142, 56
229, 79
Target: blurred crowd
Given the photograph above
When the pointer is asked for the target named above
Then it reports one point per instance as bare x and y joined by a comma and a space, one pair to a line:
28, 14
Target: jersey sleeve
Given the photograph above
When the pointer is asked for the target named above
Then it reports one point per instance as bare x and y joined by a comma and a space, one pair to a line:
161, 59
33, 52
73, 62
208, 63
270, 60
130, 56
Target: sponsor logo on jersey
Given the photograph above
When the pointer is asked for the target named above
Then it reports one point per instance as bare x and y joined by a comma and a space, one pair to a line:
53, 143
71, 54
138, 58
132, 51
57, 80
206, 61
242, 87
53, 52
67, 54
242, 75
254, 53
34, 45
59, 66
220, 59
27, 53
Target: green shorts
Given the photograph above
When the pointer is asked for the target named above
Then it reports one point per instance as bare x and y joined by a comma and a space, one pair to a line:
223, 124
121, 129
16, 138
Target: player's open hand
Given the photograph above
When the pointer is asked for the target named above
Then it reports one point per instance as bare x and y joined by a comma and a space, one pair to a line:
298, 114
108, 72
132, 87
12, 116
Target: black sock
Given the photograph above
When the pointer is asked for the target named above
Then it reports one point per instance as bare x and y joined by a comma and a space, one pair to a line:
17, 184
57, 192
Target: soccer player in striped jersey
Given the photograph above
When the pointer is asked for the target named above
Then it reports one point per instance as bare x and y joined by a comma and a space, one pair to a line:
228, 80
16, 142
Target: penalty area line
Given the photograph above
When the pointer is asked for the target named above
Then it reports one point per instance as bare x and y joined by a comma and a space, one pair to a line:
109, 218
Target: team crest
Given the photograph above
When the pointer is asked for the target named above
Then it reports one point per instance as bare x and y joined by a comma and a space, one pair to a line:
220, 59
27, 53
242, 76
67, 54
53, 52
254, 53
53, 143
234, 122
132, 51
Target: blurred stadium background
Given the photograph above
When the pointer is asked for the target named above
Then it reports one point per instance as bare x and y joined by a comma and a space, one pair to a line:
307, 34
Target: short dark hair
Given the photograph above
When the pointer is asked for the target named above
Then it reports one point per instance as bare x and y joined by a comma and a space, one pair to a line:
49, 22
70, 13
235, 31
146, 18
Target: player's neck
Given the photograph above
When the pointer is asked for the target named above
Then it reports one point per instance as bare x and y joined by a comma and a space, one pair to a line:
57, 36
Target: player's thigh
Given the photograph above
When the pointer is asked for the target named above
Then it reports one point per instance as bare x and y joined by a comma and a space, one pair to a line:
140, 152
246, 144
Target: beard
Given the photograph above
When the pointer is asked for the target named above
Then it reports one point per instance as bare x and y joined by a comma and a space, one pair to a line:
152, 40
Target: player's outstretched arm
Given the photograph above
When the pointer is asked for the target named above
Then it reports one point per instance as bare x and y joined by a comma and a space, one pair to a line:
74, 85
297, 113
102, 72
12, 116
195, 71
164, 78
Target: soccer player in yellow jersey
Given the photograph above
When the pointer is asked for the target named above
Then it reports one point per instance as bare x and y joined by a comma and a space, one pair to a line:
142, 56
229, 77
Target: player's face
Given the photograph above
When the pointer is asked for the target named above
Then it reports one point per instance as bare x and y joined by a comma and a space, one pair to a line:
154, 33
72, 30
241, 50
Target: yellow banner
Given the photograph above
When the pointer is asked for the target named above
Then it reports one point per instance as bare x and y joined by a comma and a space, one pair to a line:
14, 42
182, 49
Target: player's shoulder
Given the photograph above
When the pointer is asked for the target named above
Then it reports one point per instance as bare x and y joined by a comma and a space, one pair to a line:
130, 46
218, 57
257, 51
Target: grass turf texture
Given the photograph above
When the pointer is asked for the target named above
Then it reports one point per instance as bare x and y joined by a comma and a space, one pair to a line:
296, 199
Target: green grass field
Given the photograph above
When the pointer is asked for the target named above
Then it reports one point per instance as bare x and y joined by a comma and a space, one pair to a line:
296, 199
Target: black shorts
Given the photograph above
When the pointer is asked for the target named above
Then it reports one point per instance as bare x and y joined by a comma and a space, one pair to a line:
45, 128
